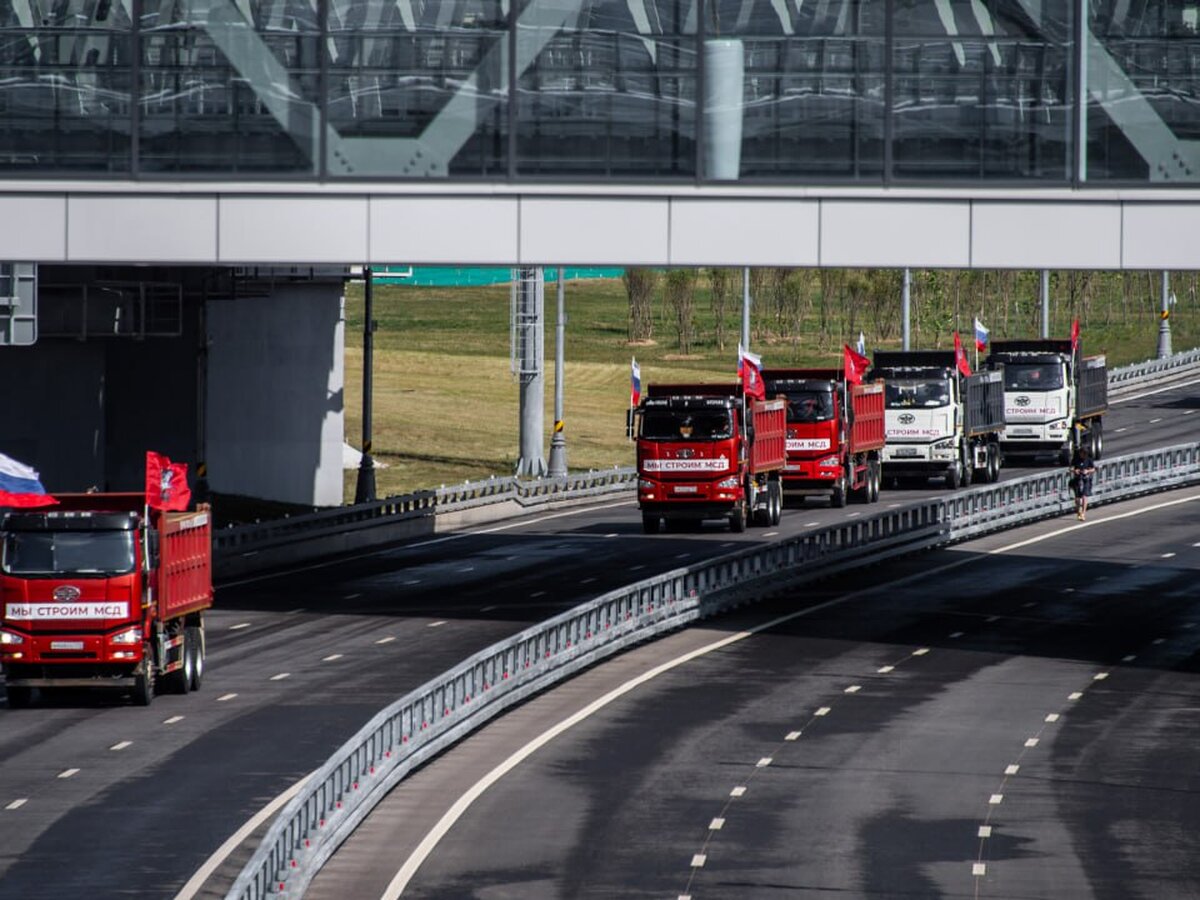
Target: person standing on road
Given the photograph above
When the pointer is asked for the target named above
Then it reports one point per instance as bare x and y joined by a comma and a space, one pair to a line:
1082, 472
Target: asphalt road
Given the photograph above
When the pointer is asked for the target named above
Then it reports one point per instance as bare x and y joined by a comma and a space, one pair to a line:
101, 798
1011, 718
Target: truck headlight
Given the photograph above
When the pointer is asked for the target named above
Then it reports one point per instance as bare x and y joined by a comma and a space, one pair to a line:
830, 462
728, 483
944, 445
9, 639
644, 485
128, 636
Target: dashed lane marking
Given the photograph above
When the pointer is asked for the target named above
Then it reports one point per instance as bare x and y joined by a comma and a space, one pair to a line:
587, 580
978, 869
1012, 770
764, 762
853, 689
172, 720
921, 652
225, 697
698, 860
985, 831
883, 670
239, 626
386, 640
737, 791
1156, 421
68, 773
792, 736
17, 804
1075, 695
1130, 658
280, 676
1031, 742
1100, 676
811, 524
1052, 717
352, 596
120, 745
537, 594
438, 624
1167, 555
956, 634
771, 534
331, 657
996, 799
412, 581
823, 711
716, 824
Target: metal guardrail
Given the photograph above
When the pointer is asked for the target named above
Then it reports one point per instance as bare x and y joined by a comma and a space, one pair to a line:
260, 536
431, 718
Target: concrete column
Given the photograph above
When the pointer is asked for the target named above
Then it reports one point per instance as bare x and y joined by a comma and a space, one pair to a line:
905, 311
558, 443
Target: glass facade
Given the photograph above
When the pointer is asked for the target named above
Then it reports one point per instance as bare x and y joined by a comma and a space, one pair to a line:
873, 92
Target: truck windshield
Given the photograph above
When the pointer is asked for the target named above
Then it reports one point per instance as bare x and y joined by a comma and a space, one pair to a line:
909, 394
1033, 377
68, 553
809, 406
686, 424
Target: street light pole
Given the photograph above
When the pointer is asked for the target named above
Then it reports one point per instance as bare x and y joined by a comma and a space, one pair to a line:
558, 443
365, 489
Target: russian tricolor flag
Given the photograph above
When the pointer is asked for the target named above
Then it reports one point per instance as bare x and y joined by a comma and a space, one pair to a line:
981, 336
19, 485
635, 383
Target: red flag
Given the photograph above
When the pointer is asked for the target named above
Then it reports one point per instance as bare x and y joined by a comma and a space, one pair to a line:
26, 501
854, 364
1075, 336
960, 356
750, 370
166, 483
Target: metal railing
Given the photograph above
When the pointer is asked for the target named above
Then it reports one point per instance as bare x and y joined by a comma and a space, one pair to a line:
526, 493
429, 719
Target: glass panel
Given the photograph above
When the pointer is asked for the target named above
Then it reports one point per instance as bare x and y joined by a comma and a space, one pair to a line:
229, 88
64, 87
610, 90
814, 87
433, 71
982, 91
1143, 113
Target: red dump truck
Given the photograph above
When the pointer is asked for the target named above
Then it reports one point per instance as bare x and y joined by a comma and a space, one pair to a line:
706, 451
98, 591
835, 434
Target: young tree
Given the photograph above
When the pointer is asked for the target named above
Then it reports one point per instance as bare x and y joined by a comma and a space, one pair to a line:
723, 285
680, 300
639, 286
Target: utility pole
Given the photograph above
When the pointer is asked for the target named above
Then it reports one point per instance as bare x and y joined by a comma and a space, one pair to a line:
558, 443
1164, 317
529, 366
364, 491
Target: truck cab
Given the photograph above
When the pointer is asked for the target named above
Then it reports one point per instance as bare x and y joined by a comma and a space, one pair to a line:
921, 421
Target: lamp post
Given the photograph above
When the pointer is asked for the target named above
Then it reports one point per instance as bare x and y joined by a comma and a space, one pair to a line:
364, 491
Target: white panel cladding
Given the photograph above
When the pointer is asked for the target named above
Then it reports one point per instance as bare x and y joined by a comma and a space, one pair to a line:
276, 395
441, 230
1060, 235
33, 227
148, 228
1161, 236
293, 229
895, 233
739, 232
594, 231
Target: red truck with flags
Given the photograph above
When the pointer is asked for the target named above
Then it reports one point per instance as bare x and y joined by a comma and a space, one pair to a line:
707, 451
835, 431
106, 590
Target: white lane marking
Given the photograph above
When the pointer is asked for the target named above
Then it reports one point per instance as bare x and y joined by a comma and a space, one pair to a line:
978, 869
811, 524
465, 569
196, 882
1162, 390
1197, 544
698, 860
1053, 717
386, 640
823, 711
737, 791
1130, 658
613, 535
225, 697
1167, 555
853, 515
682, 555
239, 626
729, 544
1121, 430
921, 652
883, 670
636, 568
792, 736
587, 580
67, 773
716, 824
996, 799
1099, 676
1031, 742
484, 609
956, 634
1068, 590
439, 540
537, 594
280, 676
1158, 641
331, 657
894, 505
1011, 770
1113, 518
17, 804
985, 831
1029, 604
1074, 695
172, 720
352, 596
1156, 421
412, 581
438, 624
764, 762
120, 745
853, 689
1188, 412
992, 619
770, 534
296, 611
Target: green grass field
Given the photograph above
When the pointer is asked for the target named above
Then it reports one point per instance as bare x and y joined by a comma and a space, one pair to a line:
445, 406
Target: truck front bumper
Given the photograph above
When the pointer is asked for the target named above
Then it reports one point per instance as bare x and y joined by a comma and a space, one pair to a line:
68, 675
692, 510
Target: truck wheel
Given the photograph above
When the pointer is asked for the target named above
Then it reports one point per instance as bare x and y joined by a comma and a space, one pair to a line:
953, 477
837, 499
1097, 440
775, 495
180, 680
876, 478
143, 686
18, 697
197, 646
650, 524
737, 519
993, 467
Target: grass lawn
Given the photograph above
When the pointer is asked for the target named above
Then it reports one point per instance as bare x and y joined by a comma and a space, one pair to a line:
446, 403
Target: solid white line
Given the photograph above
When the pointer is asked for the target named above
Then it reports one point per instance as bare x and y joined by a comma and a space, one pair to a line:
172, 720
120, 745
67, 773
17, 804
441, 540
1170, 387
189, 890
